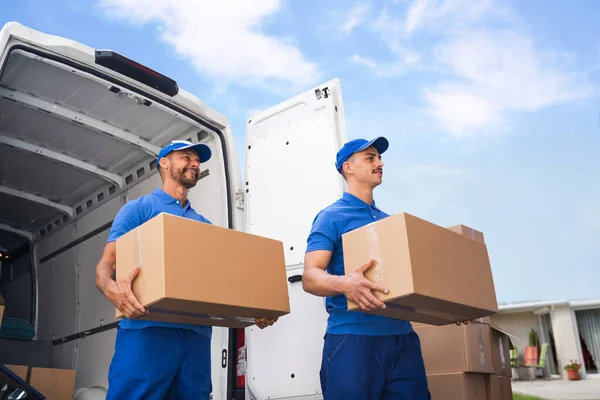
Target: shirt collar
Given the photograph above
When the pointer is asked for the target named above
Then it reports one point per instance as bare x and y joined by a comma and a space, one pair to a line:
167, 198
356, 202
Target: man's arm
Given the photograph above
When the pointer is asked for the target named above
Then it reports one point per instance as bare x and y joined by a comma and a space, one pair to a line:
118, 292
354, 286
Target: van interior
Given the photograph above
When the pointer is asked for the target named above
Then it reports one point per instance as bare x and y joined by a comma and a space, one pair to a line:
75, 145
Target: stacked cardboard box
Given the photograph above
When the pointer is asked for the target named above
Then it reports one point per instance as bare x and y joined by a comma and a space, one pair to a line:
434, 275
198, 273
53, 383
469, 362
462, 362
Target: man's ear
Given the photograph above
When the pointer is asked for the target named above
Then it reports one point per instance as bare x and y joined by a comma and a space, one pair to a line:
164, 162
347, 168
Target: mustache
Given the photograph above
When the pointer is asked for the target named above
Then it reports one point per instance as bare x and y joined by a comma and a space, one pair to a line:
378, 170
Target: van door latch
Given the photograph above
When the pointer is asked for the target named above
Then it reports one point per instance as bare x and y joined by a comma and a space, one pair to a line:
239, 199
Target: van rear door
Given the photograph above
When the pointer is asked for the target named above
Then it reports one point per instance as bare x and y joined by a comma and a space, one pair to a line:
290, 176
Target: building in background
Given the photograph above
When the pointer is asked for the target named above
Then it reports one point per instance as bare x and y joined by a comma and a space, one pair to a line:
571, 328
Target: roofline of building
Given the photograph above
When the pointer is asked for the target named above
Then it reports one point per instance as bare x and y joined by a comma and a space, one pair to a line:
541, 305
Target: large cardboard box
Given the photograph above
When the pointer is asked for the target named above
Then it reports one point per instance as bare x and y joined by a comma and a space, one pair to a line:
501, 345
434, 275
498, 387
459, 386
451, 348
197, 273
53, 383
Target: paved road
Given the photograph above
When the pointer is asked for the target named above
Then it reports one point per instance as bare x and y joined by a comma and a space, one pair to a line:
587, 389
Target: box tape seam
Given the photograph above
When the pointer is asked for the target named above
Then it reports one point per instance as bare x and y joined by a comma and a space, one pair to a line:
139, 247
481, 350
375, 254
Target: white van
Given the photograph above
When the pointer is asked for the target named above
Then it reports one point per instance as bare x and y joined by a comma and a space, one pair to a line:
80, 129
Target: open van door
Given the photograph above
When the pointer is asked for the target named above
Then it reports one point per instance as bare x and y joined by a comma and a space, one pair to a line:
290, 177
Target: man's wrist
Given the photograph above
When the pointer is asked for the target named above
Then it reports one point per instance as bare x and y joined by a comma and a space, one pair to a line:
340, 284
106, 284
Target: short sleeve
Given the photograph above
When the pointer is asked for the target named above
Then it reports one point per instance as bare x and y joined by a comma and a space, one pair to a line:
323, 235
129, 217
205, 220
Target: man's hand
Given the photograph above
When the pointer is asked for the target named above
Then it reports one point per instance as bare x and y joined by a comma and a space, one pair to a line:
119, 292
466, 322
357, 289
262, 323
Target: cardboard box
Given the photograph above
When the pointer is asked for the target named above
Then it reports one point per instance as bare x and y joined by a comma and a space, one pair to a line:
459, 386
197, 273
469, 232
20, 370
478, 236
53, 383
1, 307
498, 387
449, 349
434, 275
501, 346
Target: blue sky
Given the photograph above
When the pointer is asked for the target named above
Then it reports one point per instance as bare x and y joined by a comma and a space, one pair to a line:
491, 107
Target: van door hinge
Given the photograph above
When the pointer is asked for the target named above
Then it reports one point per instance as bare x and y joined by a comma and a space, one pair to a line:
239, 199
224, 359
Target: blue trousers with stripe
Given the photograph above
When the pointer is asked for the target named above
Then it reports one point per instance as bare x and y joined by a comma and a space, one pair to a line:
373, 367
157, 363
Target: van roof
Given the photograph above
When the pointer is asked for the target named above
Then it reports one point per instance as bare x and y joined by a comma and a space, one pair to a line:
75, 133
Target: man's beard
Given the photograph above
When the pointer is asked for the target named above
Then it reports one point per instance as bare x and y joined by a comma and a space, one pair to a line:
184, 180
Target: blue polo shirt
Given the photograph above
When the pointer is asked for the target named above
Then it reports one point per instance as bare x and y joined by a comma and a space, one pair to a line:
133, 214
346, 214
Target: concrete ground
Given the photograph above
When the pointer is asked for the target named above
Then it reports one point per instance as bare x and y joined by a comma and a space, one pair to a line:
560, 389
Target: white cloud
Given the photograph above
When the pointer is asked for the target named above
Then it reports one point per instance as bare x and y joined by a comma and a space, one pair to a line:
392, 32
460, 112
447, 14
364, 61
491, 65
355, 17
415, 14
222, 39
498, 72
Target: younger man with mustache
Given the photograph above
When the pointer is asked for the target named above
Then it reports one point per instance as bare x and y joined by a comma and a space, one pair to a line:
365, 356
158, 360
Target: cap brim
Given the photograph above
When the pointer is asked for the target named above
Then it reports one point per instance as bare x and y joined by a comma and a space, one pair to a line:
380, 143
203, 151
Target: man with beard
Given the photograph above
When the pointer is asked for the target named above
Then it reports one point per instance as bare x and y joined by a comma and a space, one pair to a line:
365, 356
157, 360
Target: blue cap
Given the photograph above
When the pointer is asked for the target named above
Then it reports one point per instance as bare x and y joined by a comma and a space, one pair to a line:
356, 145
203, 150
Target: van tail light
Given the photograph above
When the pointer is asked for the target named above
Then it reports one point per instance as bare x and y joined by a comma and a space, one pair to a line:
240, 377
